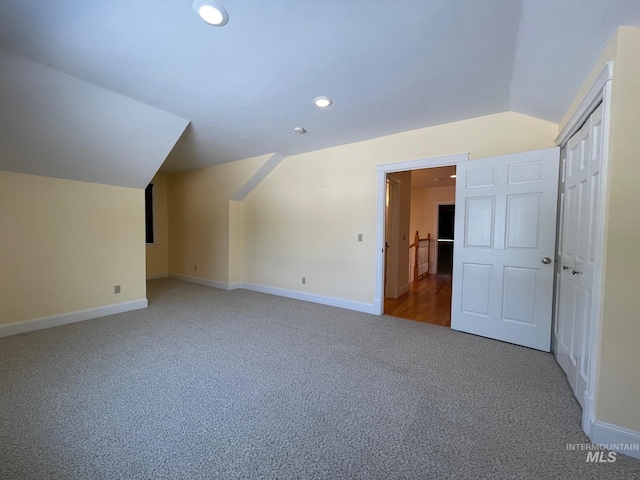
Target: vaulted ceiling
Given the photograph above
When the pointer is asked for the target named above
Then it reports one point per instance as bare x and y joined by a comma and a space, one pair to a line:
115, 82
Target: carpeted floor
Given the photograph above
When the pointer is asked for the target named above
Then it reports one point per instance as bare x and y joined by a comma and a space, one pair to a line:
213, 384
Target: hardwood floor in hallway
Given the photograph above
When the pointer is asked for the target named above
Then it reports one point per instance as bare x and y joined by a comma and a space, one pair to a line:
428, 300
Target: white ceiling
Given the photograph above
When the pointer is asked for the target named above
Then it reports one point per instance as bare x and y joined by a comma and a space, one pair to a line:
433, 177
389, 66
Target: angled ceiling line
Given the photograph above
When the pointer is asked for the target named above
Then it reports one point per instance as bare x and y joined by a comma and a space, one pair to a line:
257, 177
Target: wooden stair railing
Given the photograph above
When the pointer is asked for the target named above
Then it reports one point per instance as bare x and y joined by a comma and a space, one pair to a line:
421, 255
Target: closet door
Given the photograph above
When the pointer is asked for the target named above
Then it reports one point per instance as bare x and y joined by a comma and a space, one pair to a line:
580, 185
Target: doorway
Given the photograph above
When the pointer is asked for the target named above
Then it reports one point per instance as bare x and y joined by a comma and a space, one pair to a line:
430, 211
382, 171
445, 222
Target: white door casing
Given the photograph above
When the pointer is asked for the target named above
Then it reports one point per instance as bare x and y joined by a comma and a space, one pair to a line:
506, 210
382, 171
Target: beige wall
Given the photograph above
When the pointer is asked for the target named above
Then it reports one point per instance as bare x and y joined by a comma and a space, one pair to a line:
303, 220
619, 387
618, 391
423, 208
65, 244
158, 253
199, 220
618, 384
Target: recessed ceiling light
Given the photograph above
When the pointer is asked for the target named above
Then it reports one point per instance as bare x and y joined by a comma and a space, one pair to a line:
211, 12
299, 130
453, 176
322, 102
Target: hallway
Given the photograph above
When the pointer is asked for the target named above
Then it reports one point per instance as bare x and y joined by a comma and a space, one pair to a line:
428, 300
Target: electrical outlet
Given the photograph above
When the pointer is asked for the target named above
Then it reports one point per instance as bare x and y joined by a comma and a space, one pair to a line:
116, 289
404, 236
359, 237
304, 280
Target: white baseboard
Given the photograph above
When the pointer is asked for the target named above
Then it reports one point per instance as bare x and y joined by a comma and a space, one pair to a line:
283, 292
200, 281
372, 308
615, 438
71, 317
311, 297
153, 276
378, 307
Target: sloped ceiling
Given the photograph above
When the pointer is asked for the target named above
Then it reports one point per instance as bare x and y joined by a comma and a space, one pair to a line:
389, 66
55, 125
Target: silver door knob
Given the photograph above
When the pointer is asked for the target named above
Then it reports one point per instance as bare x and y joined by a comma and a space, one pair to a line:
564, 267
575, 272
546, 260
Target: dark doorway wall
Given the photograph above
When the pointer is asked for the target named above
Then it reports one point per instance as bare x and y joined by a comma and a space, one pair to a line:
446, 221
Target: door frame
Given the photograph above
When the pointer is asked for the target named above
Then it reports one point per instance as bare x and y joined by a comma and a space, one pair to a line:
436, 233
382, 170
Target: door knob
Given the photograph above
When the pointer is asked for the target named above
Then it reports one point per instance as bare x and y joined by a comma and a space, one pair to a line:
546, 260
575, 272
564, 267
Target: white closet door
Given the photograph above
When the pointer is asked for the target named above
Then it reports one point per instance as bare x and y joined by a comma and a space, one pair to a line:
579, 196
504, 245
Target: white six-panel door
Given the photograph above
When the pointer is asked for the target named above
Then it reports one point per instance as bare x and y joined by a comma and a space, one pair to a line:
579, 197
503, 269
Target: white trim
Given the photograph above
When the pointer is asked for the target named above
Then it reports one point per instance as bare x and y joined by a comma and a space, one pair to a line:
70, 317
423, 163
153, 276
311, 297
200, 281
589, 411
382, 170
282, 292
586, 106
380, 240
608, 435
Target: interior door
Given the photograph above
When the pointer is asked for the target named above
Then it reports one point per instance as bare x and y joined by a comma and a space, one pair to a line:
503, 269
392, 234
579, 194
